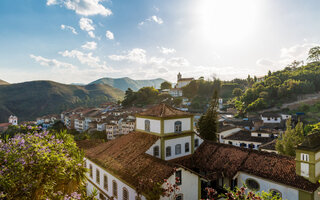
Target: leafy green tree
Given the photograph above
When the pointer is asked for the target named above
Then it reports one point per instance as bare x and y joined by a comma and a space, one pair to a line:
165, 85
258, 104
208, 123
191, 89
293, 136
314, 54
237, 92
41, 165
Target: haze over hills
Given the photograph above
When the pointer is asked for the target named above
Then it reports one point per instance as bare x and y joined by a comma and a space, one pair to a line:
125, 83
2, 82
29, 100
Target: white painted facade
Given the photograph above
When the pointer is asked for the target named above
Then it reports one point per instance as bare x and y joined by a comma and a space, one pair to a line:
169, 125
151, 149
286, 191
155, 125
120, 184
256, 134
271, 119
285, 116
227, 133
13, 120
237, 143
177, 141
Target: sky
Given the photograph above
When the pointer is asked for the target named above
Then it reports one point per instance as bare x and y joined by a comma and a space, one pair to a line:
79, 41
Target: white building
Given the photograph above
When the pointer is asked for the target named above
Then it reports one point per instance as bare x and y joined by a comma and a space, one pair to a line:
270, 118
13, 120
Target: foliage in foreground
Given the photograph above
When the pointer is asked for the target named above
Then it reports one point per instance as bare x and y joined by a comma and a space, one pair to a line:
41, 165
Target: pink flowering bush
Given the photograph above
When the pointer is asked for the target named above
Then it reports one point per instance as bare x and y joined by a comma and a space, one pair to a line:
41, 165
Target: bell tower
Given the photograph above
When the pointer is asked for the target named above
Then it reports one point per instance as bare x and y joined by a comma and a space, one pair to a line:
179, 76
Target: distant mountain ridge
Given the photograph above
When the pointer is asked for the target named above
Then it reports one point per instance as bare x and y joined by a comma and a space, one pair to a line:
125, 83
2, 82
33, 99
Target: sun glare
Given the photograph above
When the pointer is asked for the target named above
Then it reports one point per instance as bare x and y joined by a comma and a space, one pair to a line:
226, 20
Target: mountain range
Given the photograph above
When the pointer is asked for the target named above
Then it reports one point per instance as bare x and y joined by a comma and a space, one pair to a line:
125, 83
2, 82
33, 99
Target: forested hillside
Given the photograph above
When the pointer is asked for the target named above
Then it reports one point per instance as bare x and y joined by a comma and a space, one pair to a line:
29, 100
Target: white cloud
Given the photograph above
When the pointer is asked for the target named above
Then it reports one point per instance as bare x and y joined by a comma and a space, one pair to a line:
65, 27
51, 62
265, 62
91, 34
83, 7
86, 24
153, 18
166, 50
135, 55
109, 35
90, 45
85, 58
178, 62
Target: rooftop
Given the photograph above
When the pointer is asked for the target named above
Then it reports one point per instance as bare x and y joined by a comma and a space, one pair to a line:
163, 110
246, 136
311, 142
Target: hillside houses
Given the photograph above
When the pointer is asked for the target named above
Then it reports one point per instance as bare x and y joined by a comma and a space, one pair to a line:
165, 146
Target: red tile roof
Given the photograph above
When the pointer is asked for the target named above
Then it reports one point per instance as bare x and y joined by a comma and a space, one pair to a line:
163, 110
5, 124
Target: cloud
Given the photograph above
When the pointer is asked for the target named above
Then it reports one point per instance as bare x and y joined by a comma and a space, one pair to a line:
86, 24
178, 62
265, 62
153, 18
166, 50
65, 27
85, 58
83, 7
51, 62
91, 34
135, 55
109, 35
90, 45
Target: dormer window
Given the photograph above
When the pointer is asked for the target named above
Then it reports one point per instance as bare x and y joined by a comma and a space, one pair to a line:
147, 125
156, 151
177, 127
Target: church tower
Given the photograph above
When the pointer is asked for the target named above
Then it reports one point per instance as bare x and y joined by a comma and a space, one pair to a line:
179, 76
174, 129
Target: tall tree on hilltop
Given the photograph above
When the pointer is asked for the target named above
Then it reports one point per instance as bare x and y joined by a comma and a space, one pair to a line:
314, 54
208, 123
293, 136
165, 85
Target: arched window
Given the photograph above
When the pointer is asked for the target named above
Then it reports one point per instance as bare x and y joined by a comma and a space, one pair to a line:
178, 149
90, 171
168, 151
125, 194
105, 182
252, 184
147, 125
98, 176
177, 127
114, 189
186, 147
196, 143
275, 193
156, 152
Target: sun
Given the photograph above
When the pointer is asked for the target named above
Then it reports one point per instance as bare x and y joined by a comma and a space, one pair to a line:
226, 20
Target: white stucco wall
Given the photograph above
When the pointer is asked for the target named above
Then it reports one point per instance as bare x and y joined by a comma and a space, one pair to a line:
169, 125
227, 133
238, 142
150, 150
317, 156
271, 119
173, 142
200, 140
265, 185
155, 125
189, 186
131, 191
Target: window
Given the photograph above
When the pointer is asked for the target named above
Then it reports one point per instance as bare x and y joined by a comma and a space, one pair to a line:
125, 194
98, 176
259, 134
105, 182
178, 149
179, 197
114, 189
147, 125
305, 169
252, 146
178, 177
177, 127
252, 184
156, 151
186, 147
305, 157
196, 143
90, 171
275, 193
168, 151
230, 142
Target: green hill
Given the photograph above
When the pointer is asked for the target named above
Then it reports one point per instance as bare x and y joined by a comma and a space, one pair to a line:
29, 100
2, 82
125, 83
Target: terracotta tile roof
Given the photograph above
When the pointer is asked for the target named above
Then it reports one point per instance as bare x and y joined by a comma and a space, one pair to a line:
186, 79
269, 146
311, 142
226, 160
5, 124
163, 110
246, 136
126, 158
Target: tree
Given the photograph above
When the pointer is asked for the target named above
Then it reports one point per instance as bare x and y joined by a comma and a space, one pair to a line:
314, 54
41, 165
165, 85
293, 136
208, 123
237, 92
